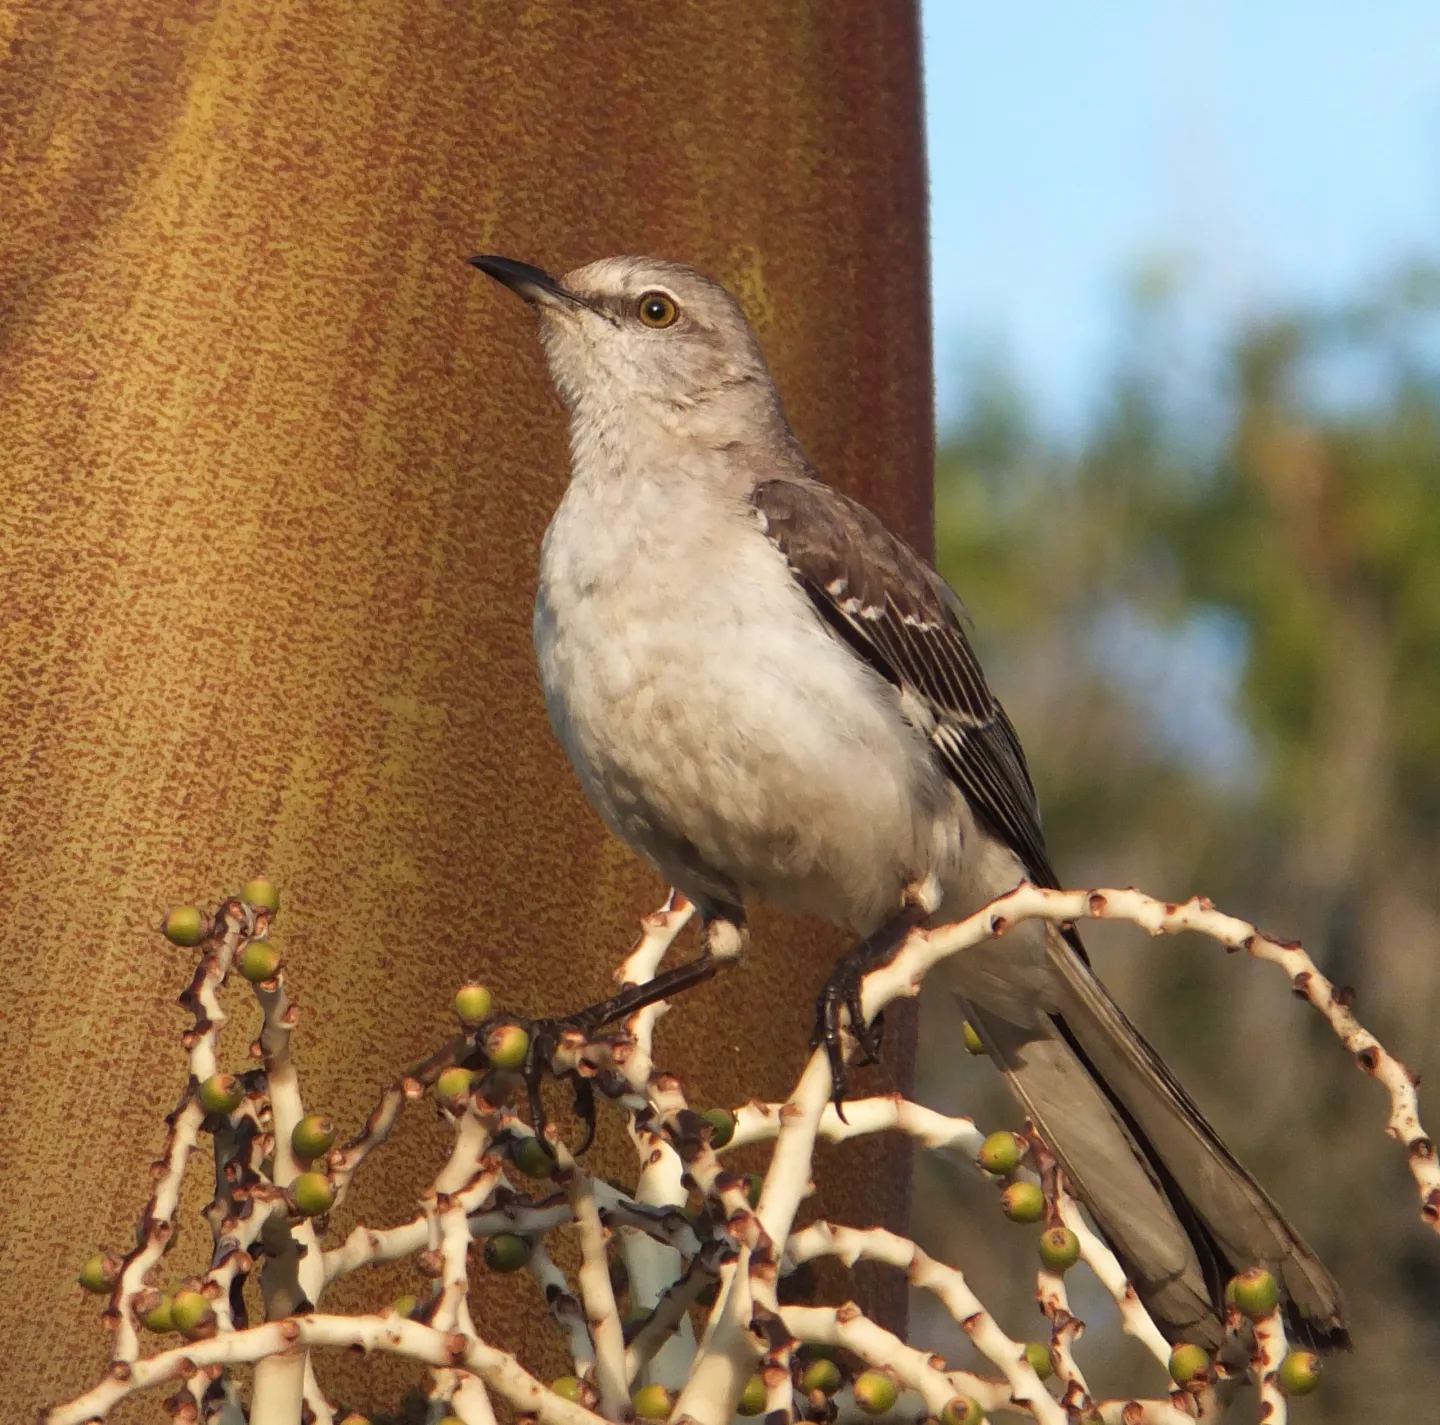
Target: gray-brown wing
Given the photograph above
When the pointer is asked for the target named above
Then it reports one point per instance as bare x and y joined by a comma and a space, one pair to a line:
901, 618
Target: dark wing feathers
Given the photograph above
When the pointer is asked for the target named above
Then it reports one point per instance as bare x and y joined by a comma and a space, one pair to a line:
898, 615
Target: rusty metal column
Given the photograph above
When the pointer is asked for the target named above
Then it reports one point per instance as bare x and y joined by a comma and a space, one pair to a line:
274, 471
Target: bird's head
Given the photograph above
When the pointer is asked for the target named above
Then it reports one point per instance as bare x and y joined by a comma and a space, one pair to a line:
643, 337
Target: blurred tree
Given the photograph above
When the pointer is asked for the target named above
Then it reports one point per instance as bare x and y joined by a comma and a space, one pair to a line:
1215, 620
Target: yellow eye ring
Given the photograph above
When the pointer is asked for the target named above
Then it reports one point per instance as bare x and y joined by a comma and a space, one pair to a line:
657, 309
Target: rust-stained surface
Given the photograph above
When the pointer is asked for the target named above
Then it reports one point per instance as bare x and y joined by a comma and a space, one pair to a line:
276, 465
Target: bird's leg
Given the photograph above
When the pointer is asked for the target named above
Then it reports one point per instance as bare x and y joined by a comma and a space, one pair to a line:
722, 938
842, 990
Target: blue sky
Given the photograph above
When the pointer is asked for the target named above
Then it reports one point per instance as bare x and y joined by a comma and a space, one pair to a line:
1276, 150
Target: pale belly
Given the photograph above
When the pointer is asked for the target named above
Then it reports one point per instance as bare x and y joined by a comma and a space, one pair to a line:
742, 760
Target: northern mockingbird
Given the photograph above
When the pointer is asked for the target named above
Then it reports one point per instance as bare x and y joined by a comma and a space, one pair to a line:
765, 693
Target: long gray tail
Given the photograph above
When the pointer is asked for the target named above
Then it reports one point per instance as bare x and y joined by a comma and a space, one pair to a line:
1179, 1211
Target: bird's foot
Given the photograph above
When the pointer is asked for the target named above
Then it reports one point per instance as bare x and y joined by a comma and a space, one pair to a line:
843, 992
546, 1037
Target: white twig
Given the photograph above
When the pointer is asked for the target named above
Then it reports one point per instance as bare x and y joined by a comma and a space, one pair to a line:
158, 1221
596, 1291
564, 1306
923, 950
874, 1244
498, 1369
759, 1122
1270, 1350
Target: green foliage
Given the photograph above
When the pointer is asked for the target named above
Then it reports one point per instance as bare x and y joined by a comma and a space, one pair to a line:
1214, 617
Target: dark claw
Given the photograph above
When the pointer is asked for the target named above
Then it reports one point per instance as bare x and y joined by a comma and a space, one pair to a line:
584, 1109
843, 989
545, 1036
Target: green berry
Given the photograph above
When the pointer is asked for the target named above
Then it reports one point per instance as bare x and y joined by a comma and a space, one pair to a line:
1059, 1249
822, 1375
753, 1185
313, 1194
261, 894
186, 925
472, 1005
312, 1137
1023, 1202
506, 1046
1000, 1153
505, 1252
962, 1411
159, 1318
100, 1272
1038, 1354
191, 1312
722, 1124
752, 1398
1254, 1293
221, 1093
405, 1306
529, 1155
259, 960
973, 1045
1299, 1373
454, 1083
570, 1388
651, 1402
1188, 1362
876, 1392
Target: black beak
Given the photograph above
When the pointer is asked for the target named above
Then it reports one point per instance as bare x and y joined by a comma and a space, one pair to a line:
534, 284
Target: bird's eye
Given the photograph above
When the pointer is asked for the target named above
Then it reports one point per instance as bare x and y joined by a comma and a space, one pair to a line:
657, 310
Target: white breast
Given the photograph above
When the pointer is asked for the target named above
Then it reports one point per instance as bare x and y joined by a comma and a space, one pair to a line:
715, 723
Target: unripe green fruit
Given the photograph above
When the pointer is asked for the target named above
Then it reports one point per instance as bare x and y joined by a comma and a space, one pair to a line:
754, 1184
530, 1157
100, 1272
190, 1311
221, 1093
1254, 1292
1038, 1354
186, 925
506, 1046
821, 1375
1299, 1373
1023, 1202
260, 960
454, 1083
313, 1194
962, 1411
450, 1420
1059, 1248
752, 1398
570, 1388
876, 1392
261, 894
1001, 1153
722, 1124
651, 1402
313, 1136
472, 1005
505, 1252
405, 1306
1188, 1362
159, 1319
973, 1045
